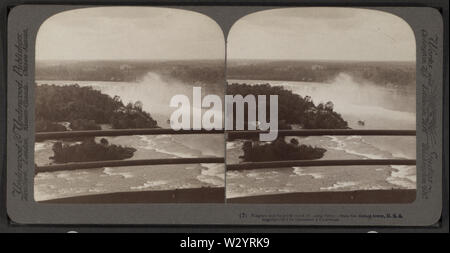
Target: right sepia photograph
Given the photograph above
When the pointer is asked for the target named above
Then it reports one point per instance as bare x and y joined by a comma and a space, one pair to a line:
346, 85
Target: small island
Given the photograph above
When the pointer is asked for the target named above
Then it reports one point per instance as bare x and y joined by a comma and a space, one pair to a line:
279, 150
89, 150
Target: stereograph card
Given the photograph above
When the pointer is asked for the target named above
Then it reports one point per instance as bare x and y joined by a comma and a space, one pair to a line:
231, 115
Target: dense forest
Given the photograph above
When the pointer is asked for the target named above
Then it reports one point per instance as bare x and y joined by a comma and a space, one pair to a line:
381, 73
293, 108
65, 108
85, 108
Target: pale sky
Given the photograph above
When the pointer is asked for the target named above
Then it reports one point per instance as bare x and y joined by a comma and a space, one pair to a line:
142, 33
312, 33
151, 33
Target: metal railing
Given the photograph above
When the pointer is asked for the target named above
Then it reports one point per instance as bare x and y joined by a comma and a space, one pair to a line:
230, 134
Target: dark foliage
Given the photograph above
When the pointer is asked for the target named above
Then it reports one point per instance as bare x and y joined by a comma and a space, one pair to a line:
85, 108
89, 150
280, 150
132, 116
293, 108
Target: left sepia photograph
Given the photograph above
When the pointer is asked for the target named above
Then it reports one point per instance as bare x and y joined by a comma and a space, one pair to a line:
104, 80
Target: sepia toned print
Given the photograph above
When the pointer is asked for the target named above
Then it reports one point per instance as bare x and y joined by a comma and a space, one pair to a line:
347, 71
121, 116
114, 70
130, 102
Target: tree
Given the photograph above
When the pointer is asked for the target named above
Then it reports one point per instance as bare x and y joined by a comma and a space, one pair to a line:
294, 141
117, 99
308, 99
85, 109
329, 106
104, 142
138, 105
